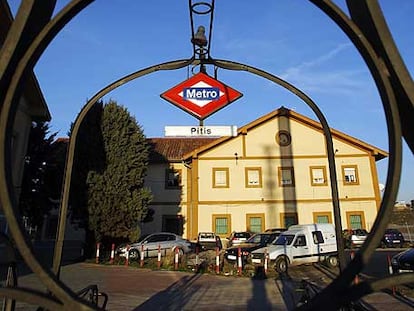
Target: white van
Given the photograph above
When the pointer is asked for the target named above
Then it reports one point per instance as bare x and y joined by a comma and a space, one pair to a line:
300, 244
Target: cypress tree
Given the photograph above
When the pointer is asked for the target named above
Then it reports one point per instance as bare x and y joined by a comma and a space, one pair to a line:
116, 198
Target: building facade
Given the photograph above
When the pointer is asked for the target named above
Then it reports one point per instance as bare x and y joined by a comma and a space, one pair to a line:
274, 173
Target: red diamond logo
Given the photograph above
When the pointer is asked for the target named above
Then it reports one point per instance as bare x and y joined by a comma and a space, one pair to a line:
201, 95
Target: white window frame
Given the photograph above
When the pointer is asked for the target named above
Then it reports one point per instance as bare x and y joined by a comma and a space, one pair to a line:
253, 177
220, 177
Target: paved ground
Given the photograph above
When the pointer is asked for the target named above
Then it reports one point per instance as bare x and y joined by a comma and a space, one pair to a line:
141, 289
135, 289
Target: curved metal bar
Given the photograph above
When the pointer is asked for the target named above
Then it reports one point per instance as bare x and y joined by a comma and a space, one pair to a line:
31, 296
72, 143
39, 44
372, 22
376, 66
330, 297
365, 288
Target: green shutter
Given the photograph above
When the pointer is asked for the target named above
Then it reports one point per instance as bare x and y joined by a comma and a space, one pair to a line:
255, 224
322, 219
221, 226
356, 221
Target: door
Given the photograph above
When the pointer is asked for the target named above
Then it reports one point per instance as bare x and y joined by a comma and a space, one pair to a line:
301, 251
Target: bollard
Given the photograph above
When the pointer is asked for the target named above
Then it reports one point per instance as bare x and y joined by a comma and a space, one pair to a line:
390, 272
176, 259
111, 261
141, 263
217, 261
97, 252
197, 260
127, 255
356, 279
159, 256
239, 262
266, 259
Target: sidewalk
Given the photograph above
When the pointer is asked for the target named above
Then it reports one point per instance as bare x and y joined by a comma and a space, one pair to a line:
143, 289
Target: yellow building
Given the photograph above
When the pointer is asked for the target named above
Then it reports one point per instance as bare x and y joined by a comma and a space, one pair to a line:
274, 173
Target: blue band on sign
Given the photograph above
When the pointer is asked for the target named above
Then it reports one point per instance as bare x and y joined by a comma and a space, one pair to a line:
201, 93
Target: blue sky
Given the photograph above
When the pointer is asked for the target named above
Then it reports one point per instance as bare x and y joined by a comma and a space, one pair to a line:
292, 39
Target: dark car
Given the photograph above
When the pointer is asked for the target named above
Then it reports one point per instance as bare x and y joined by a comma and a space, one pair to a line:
392, 238
238, 237
403, 262
256, 241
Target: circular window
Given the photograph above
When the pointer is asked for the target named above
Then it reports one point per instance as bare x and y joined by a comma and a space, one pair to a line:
283, 138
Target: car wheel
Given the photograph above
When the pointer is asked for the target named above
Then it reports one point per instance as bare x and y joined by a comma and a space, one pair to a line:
133, 254
332, 261
281, 264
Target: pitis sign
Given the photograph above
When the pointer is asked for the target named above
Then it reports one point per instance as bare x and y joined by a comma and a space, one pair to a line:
201, 95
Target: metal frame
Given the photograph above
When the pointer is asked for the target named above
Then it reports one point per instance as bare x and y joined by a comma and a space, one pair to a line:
366, 28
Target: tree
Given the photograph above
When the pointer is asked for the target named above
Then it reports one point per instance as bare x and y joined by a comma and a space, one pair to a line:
34, 200
116, 198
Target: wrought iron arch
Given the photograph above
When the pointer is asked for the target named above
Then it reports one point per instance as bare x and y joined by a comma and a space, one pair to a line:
366, 28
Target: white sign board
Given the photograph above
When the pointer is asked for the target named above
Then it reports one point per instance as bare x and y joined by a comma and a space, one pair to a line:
201, 131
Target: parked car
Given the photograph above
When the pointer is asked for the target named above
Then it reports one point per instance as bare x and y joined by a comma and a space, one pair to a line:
300, 244
354, 237
166, 241
392, 238
256, 241
403, 261
208, 240
238, 237
278, 230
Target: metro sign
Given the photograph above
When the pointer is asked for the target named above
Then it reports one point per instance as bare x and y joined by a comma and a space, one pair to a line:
201, 95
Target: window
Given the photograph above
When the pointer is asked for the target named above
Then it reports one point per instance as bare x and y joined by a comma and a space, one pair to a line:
318, 175
355, 220
222, 225
350, 175
317, 237
255, 223
288, 219
253, 177
286, 177
220, 177
300, 240
322, 218
172, 179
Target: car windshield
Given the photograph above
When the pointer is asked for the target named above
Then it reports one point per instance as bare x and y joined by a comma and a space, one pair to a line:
255, 239
260, 238
284, 239
391, 231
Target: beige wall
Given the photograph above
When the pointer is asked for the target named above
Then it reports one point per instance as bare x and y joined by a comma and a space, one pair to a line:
256, 147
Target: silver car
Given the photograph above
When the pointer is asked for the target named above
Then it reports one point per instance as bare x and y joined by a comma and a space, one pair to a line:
165, 242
